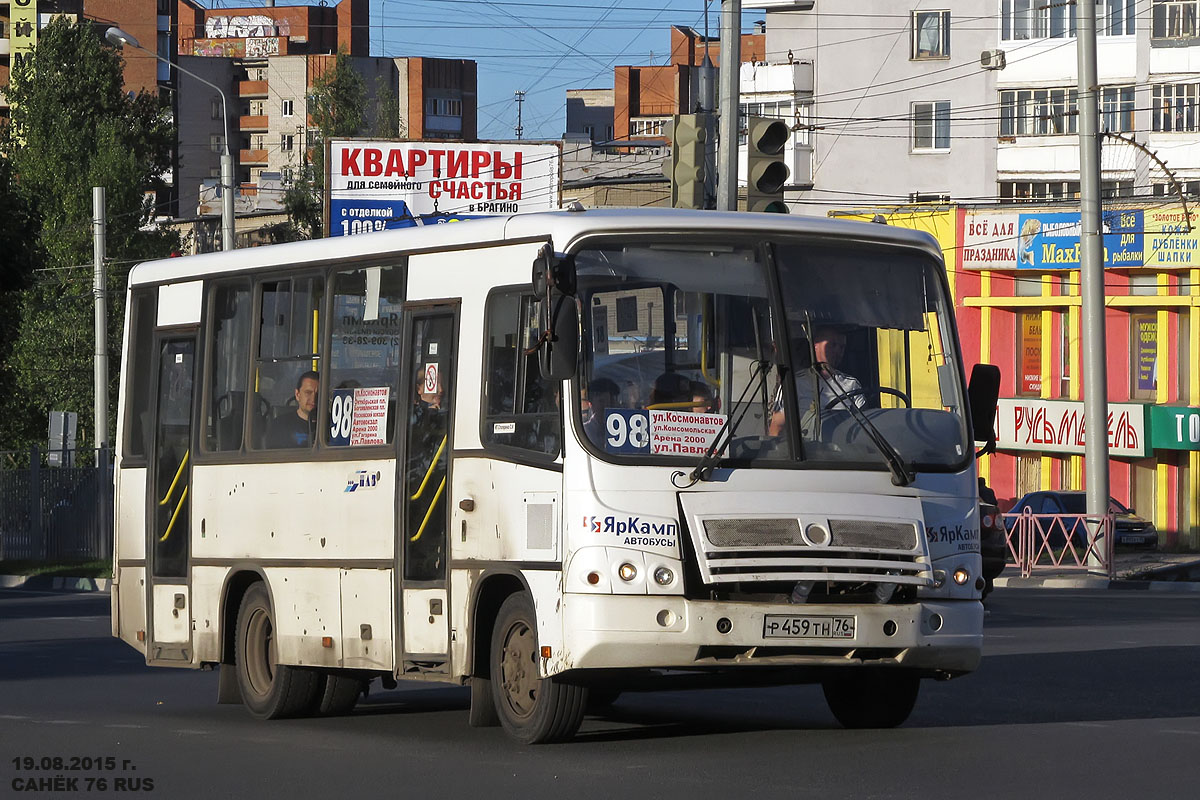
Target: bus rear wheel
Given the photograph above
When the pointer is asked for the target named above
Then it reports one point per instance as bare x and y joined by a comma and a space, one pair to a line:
337, 694
872, 698
532, 710
270, 690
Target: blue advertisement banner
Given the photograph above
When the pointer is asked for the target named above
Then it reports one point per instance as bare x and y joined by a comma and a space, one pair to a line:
349, 217
1051, 240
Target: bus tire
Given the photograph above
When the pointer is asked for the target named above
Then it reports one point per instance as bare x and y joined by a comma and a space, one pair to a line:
338, 694
270, 690
532, 710
872, 698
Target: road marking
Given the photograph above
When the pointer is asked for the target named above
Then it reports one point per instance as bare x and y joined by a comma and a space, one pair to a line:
135, 727
1174, 730
12, 716
1089, 724
191, 732
61, 721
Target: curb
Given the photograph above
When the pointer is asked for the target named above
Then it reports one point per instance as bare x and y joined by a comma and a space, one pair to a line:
54, 583
1095, 582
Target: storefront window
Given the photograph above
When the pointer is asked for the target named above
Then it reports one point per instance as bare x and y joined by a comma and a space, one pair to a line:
1029, 353
1144, 352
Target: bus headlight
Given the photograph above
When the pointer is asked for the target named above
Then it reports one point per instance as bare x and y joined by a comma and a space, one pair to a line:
627, 572
961, 576
663, 576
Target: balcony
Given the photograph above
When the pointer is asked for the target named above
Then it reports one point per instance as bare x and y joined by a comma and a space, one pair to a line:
252, 122
252, 158
252, 88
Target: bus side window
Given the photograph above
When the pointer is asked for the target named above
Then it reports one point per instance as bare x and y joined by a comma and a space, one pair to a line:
364, 356
141, 372
290, 326
520, 409
228, 367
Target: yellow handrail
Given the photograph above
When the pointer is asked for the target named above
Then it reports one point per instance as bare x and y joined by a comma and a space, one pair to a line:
429, 471
171, 491
432, 505
688, 404
175, 515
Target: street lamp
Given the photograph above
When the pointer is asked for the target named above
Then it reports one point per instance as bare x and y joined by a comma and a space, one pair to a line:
118, 37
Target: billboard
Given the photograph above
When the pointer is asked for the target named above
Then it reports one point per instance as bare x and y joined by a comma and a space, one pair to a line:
1057, 426
1044, 240
374, 185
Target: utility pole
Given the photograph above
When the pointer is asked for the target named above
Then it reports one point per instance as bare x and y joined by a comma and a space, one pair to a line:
520, 100
730, 67
100, 366
1091, 274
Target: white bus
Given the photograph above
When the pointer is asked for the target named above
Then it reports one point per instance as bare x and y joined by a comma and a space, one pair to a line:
552, 456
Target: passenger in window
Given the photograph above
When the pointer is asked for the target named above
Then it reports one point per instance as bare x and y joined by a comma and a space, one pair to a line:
296, 429
703, 399
602, 394
671, 390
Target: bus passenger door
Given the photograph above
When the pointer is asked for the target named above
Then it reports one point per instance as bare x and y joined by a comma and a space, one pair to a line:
422, 507
168, 504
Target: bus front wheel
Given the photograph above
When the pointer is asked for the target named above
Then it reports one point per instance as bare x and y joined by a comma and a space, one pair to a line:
533, 710
872, 698
270, 690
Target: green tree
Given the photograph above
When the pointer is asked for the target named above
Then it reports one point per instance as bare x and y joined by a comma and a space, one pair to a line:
337, 105
74, 127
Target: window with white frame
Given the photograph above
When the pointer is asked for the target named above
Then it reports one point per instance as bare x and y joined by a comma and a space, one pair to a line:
1116, 17
258, 141
287, 108
1044, 191
777, 109
287, 142
216, 143
1116, 108
287, 175
1055, 19
1174, 107
930, 34
1174, 19
1188, 188
216, 108
258, 108
931, 126
648, 126
1038, 112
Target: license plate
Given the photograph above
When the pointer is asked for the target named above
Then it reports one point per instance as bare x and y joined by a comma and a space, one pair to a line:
788, 626
1133, 540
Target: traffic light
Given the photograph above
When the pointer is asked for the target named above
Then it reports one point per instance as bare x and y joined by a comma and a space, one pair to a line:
766, 173
687, 171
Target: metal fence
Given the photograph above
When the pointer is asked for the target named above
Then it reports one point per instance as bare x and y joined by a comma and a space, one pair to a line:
56, 513
1059, 542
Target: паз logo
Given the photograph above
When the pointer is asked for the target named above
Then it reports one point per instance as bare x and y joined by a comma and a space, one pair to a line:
361, 479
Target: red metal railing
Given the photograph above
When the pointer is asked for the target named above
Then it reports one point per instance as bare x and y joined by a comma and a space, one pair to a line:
1059, 542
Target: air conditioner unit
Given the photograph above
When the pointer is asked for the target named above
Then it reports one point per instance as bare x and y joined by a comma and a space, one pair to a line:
992, 59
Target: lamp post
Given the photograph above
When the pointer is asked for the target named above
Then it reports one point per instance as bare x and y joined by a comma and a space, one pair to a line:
118, 37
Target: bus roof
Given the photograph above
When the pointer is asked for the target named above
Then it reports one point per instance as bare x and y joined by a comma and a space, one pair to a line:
561, 227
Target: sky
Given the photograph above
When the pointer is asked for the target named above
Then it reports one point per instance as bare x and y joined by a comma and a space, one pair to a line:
541, 47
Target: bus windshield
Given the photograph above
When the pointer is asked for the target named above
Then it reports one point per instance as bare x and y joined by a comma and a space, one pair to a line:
787, 353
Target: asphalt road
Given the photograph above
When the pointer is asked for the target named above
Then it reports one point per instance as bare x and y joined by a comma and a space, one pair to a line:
1081, 694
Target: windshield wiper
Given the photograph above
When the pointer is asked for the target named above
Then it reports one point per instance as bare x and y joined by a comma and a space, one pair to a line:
901, 475
708, 462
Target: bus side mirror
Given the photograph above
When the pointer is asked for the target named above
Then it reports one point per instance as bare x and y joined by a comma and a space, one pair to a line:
558, 351
983, 395
552, 275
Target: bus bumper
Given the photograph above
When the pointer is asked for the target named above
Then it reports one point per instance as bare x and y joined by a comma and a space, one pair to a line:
615, 632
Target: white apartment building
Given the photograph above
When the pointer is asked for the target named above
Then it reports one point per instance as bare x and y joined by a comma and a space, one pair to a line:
954, 101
